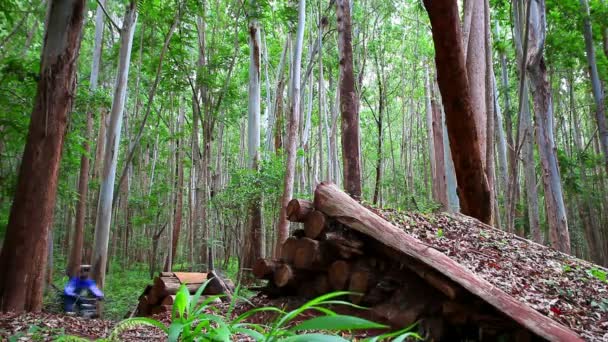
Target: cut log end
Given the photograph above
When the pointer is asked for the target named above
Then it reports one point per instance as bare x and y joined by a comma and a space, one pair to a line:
338, 274
283, 275
315, 225
298, 210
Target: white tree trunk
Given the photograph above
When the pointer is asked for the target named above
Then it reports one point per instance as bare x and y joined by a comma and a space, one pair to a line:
104, 207
283, 224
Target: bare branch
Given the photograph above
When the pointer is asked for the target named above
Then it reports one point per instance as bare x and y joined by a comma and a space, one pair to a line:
108, 16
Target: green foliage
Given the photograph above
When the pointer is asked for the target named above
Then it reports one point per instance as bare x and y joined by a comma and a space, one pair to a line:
195, 322
121, 285
597, 273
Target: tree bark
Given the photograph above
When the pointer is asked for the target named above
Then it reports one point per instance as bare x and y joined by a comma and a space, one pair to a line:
179, 200
543, 112
83, 179
106, 194
473, 188
476, 65
24, 253
593, 235
596, 84
283, 224
255, 242
349, 103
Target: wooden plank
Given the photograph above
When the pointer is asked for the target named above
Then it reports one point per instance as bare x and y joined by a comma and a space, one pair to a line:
337, 204
190, 277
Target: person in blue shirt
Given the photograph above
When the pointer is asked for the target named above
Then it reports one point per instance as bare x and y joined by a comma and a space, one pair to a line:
79, 286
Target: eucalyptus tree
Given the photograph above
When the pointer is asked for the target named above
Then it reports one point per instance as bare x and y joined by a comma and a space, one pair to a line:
110, 160
349, 103
283, 225
473, 190
24, 254
596, 84
83, 179
255, 240
544, 120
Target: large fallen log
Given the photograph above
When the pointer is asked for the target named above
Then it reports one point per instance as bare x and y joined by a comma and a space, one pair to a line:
335, 203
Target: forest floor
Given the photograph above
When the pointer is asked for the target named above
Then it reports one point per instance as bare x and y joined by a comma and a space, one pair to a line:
570, 291
45, 326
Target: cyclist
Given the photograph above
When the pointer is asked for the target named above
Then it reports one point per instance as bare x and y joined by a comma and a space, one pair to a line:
79, 285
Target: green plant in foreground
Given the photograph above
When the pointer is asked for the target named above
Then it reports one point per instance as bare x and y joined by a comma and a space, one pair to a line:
192, 322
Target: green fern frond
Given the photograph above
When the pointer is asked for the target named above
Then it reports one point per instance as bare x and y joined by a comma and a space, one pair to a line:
132, 323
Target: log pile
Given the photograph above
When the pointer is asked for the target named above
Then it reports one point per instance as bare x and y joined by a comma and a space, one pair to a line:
159, 296
344, 246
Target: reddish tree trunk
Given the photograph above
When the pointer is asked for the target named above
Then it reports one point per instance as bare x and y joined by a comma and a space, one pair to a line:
349, 103
473, 189
24, 254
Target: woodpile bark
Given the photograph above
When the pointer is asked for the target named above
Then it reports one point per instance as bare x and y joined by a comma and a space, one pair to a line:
159, 296
347, 247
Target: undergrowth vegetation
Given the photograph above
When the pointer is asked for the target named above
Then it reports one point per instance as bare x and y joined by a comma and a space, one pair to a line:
194, 321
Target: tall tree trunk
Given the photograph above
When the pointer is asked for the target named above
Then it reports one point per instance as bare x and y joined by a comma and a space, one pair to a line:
283, 224
179, 200
24, 254
106, 194
475, 55
501, 141
438, 156
274, 132
512, 185
490, 116
349, 103
83, 179
593, 236
256, 249
529, 165
379, 125
543, 111
596, 84
473, 189
323, 172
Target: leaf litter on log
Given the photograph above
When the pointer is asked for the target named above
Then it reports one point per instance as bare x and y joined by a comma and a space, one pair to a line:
560, 286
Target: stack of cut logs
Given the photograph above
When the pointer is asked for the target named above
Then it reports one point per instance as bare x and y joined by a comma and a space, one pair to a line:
159, 296
326, 255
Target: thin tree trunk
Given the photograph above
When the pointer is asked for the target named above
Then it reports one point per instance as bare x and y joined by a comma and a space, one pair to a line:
255, 249
349, 103
106, 194
543, 111
179, 201
438, 157
379, 126
83, 179
473, 188
500, 135
24, 254
529, 165
513, 185
489, 115
596, 84
593, 235
283, 224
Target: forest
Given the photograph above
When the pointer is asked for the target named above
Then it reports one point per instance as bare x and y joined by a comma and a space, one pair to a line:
160, 140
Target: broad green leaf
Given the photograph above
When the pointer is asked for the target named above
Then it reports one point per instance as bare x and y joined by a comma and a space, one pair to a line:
337, 323
182, 300
313, 338
174, 331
